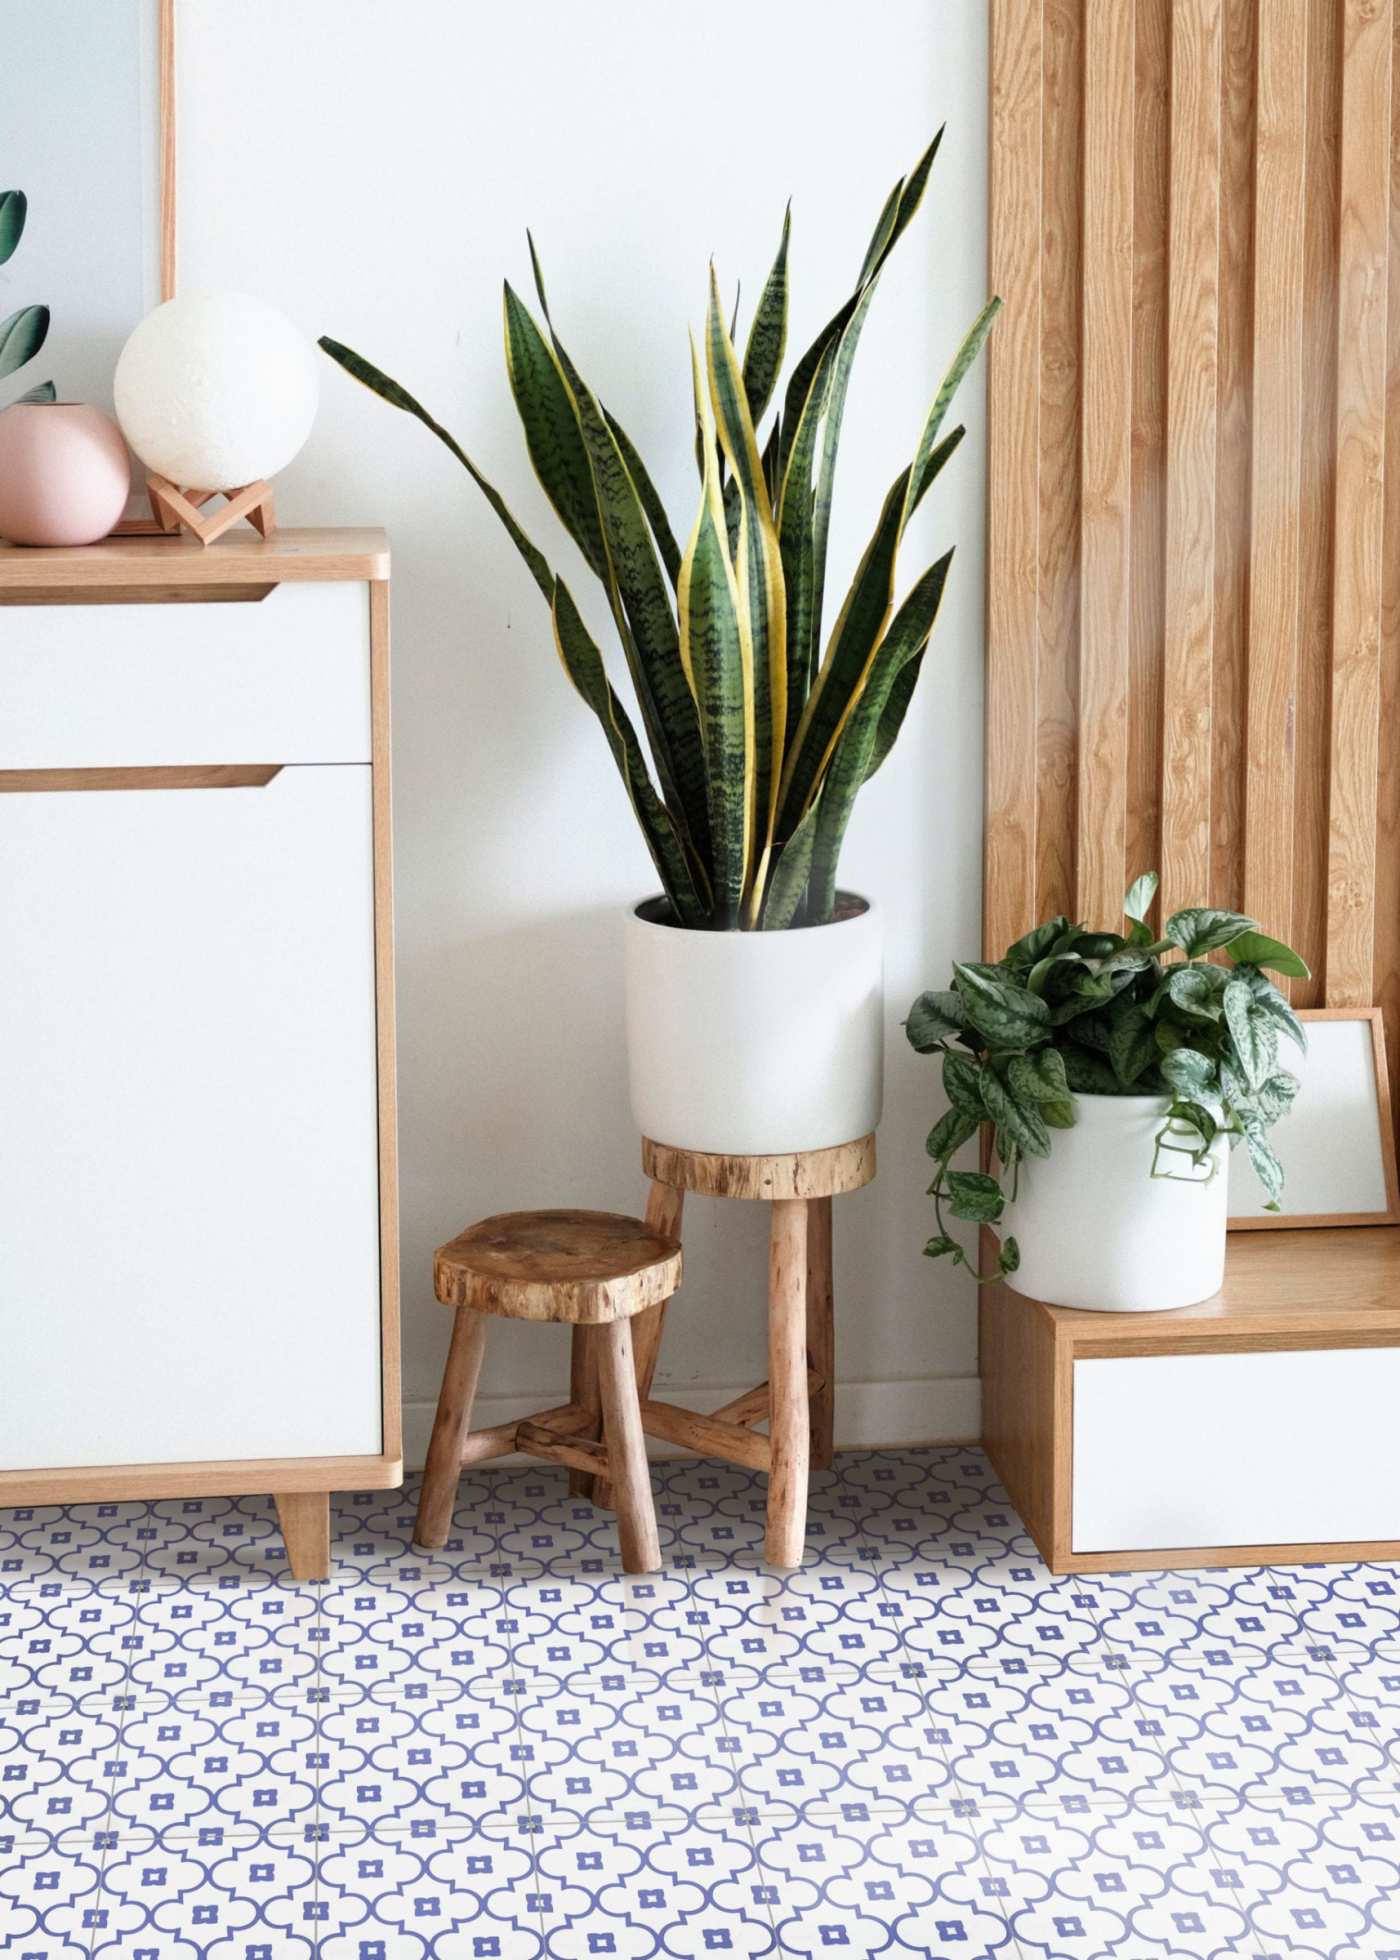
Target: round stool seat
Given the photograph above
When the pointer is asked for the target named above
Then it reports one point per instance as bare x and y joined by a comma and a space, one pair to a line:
795, 1174
588, 1267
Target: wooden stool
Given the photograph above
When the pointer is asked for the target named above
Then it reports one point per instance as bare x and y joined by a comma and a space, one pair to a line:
594, 1270
797, 1400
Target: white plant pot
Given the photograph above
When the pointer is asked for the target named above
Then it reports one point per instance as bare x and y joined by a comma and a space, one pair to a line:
755, 1043
1095, 1229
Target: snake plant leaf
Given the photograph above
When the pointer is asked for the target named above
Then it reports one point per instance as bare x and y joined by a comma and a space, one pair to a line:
21, 337
926, 464
787, 882
842, 673
651, 502
14, 206
795, 538
552, 434
642, 607
45, 392
905, 641
583, 663
379, 383
896, 707
767, 341
759, 566
715, 651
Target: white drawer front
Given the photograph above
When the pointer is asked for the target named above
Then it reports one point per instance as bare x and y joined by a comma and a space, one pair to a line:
189, 1257
1236, 1449
281, 679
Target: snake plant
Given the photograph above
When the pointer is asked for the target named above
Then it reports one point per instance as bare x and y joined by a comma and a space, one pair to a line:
759, 734
24, 332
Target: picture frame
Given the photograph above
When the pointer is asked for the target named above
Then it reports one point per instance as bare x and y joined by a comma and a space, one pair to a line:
1337, 1143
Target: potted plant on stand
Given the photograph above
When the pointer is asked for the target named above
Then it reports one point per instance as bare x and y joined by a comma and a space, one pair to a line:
754, 985
1115, 1071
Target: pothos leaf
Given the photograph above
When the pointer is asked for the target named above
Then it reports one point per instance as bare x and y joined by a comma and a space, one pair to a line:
975, 1196
952, 1130
960, 1085
1200, 929
1141, 893
1266, 1165
1258, 949
1008, 1016
1024, 1125
1038, 1078
1255, 1043
1189, 1072
932, 1018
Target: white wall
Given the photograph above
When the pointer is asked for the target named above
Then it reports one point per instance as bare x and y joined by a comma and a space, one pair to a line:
371, 166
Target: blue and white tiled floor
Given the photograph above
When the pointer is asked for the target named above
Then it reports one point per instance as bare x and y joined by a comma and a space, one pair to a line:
918, 1744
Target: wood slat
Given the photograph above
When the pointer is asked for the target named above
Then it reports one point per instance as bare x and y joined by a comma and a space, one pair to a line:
1061, 281
1106, 452
1012, 439
1192, 331
1363, 240
1147, 592
1386, 969
1276, 477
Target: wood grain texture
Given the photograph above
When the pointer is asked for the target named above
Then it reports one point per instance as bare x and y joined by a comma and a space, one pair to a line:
626, 1449
593, 1266
1013, 421
386, 1029
196, 775
116, 1483
451, 1423
1276, 480
1192, 329
305, 1518
1106, 452
242, 558
798, 1174
1386, 952
821, 1333
1362, 314
732, 1442
789, 1425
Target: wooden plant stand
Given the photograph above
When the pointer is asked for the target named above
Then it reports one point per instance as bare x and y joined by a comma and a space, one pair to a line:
797, 1401
593, 1270
175, 509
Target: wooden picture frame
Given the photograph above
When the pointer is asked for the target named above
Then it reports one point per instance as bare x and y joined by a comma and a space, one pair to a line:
1370, 1115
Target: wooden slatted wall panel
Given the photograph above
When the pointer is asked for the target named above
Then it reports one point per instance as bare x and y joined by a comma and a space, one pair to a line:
1194, 528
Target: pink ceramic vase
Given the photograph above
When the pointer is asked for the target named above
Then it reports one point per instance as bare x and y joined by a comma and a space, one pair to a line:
64, 474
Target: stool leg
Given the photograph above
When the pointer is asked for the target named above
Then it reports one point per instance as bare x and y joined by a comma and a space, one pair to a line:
583, 1389
454, 1411
789, 1427
305, 1518
665, 1206
821, 1329
627, 1450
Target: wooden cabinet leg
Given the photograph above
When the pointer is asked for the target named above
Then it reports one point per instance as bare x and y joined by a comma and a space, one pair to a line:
305, 1518
789, 1426
627, 1450
821, 1330
665, 1207
583, 1389
454, 1412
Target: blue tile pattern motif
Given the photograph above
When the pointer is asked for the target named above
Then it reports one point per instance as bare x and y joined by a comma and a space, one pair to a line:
918, 1744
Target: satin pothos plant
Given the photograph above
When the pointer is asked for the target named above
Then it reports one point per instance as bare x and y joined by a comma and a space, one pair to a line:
1071, 1010
759, 731
25, 331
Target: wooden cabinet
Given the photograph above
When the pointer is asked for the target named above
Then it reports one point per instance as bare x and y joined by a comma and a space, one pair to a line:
198, 1248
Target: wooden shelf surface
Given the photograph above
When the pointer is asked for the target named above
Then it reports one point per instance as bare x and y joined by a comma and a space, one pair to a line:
240, 558
1319, 1287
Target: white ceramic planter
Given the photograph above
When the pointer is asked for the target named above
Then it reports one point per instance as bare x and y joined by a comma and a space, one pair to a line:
1095, 1229
755, 1043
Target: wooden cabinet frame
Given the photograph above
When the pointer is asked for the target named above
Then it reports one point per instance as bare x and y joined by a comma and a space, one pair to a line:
243, 569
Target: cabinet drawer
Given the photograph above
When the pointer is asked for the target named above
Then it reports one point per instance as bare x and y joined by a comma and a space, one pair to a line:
189, 1251
281, 679
1264, 1448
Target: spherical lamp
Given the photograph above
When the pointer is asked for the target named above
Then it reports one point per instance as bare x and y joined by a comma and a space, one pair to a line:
216, 390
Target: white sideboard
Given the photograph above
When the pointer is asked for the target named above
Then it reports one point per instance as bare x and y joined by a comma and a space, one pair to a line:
198, 1224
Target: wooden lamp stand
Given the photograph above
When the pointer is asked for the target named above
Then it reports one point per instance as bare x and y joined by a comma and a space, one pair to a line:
174, 509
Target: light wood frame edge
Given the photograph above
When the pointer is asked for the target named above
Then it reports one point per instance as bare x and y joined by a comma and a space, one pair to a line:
111, 1483
1301, 1221
382, 812
167, 153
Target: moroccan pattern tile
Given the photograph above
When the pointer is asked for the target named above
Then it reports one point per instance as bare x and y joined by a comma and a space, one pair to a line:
919, 1743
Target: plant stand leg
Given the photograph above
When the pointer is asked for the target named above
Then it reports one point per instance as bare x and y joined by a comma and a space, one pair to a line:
789, 1427
665, 1206
583, 1389
821, 1330
305, 1518
454, 1410
627, 1450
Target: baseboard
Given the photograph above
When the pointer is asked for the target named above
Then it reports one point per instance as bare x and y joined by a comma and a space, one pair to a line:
869, 1415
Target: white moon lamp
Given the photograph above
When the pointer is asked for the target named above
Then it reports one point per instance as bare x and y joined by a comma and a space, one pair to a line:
215, 392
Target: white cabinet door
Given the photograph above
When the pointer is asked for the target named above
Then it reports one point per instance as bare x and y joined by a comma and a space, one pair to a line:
1291, 1448
189, 1258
